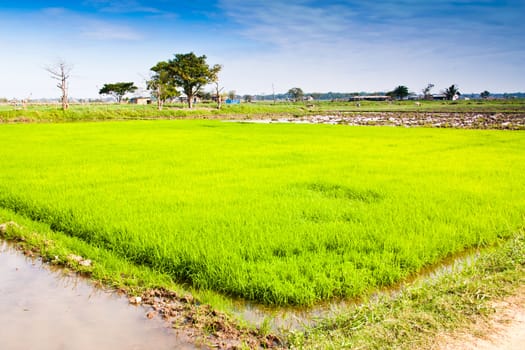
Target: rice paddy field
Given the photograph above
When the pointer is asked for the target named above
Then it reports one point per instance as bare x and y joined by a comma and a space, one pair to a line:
279, 214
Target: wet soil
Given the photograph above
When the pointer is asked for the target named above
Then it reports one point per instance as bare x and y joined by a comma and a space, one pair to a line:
458, 120
299, 318
45, 309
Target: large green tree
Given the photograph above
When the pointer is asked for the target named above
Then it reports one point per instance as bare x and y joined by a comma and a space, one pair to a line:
118, 90
399, 92
296, 94
160, 84
190, 72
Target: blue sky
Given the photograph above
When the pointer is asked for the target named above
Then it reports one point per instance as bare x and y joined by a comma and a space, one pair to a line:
319, 46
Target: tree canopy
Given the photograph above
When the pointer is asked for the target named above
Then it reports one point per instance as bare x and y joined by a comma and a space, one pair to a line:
118, 90
160, 84
296, 94
485, 94
399, 92
189, 72
452, 92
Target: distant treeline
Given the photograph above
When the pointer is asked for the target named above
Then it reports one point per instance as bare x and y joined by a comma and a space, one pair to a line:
325, 96
347, 95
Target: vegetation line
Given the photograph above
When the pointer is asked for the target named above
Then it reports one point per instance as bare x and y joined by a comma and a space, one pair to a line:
97, 111
414, 318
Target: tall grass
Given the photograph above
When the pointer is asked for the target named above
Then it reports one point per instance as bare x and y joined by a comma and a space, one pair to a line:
279, 214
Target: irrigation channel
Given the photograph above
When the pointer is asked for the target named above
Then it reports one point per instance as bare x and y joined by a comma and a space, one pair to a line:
296, 318
42, 308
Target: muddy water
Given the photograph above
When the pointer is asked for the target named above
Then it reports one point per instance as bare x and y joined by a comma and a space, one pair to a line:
296, 318
46, 310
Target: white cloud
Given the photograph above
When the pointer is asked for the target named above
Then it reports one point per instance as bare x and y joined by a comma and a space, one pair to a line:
374, 46
100, 30
54, 11
289, 24
71, 24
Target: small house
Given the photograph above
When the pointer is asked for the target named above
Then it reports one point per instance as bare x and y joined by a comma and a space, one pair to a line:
140, 100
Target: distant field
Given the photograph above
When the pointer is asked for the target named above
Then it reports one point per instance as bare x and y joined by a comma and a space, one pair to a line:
52, 112
279, 213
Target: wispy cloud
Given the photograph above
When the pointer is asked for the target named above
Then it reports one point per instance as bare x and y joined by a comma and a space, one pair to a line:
379, 41
100, 30
55, 11
122, 6
289, 23
133, 7
86, 26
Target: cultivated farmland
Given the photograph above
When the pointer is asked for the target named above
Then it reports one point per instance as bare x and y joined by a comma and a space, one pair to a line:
279, 214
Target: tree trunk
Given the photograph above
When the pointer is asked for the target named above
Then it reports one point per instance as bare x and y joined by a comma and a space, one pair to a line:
63, 86
218, 95
160, 102
190, 101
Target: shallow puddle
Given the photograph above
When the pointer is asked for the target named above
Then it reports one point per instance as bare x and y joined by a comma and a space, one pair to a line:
47, 310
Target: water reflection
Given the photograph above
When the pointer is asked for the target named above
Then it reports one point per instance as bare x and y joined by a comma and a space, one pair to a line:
44, 309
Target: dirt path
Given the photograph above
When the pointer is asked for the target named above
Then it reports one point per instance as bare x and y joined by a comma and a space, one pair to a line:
505, 330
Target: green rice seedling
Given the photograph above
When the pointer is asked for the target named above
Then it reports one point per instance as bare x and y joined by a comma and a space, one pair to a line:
279, 214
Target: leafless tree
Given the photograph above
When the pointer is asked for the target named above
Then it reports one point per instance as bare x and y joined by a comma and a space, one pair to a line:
61, 71
218, 94
426, 91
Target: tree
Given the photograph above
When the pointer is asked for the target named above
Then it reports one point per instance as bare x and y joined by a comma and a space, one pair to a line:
452, 92
218, 94
206, 95
118, 90
232, 94
247, 98
426, 91
161, 86
399, 92
485, 94
191, 73
296, 94
61, 71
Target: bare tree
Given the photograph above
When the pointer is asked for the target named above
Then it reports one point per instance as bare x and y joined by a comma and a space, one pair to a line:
218, 95
426, 91
61, 71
